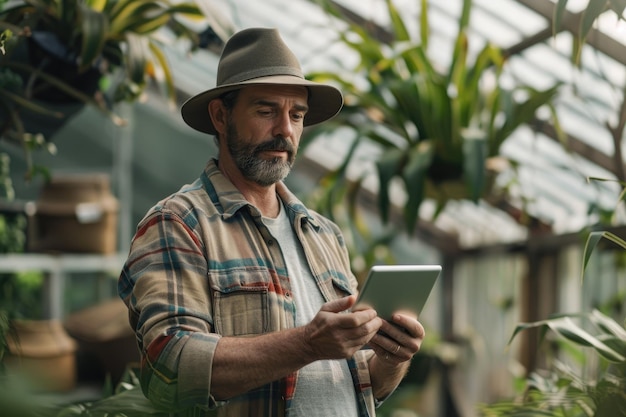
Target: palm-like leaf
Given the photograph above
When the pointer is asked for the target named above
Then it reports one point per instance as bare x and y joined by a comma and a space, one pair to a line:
563, 392
410, 104
588, 18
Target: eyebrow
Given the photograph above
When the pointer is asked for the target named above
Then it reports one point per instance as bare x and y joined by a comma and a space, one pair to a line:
263, 102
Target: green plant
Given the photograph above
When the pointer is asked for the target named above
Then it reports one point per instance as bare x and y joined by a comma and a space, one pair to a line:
588, 18
596, 236
96, 52
20, 293
124, 400
432, 124
563, 390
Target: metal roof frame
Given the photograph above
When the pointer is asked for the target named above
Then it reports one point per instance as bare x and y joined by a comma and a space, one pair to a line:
594, 110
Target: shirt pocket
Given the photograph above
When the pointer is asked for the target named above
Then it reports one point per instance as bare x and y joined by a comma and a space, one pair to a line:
341, 287
240, 301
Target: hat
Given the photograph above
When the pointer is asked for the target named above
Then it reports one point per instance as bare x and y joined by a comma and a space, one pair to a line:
259, 56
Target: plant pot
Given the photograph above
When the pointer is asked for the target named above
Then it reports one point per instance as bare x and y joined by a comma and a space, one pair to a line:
43, 353
43, 51
455, 187
48, 126
105, 338
76, 213
51, 55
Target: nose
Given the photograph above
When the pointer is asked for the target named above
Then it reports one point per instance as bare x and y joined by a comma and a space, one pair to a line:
283, 126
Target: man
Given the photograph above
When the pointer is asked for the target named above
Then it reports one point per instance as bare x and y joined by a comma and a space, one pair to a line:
240, 296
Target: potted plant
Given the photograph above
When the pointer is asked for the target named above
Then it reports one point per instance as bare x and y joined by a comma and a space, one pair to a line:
58, 55
434, 126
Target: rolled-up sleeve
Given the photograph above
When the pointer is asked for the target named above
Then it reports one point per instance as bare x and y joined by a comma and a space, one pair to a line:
164, 284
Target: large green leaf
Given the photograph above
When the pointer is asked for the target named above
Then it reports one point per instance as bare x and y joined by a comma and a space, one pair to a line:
424, 25
593, 10
139, 16
95, 26
398, 26
474, 162
409, 101
137, 57
67, 11
118, 7
98, 5
167, 76
414, 175
607, 324
590, 15
559, 11
525, 111
565, 327
388, 166
151, 24
592, 241
616, 344
130, 403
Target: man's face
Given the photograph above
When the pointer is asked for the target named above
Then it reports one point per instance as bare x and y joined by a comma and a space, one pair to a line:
264, 130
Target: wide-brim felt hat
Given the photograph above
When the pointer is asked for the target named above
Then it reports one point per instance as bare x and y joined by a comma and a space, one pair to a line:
259, 56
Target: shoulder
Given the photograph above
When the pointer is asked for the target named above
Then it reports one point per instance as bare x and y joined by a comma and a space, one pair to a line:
189, 201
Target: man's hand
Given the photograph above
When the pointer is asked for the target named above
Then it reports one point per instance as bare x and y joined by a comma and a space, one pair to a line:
335, 333
395, 345
399, 339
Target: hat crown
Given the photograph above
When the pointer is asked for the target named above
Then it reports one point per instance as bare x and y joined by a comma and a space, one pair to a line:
254, 53
259, 56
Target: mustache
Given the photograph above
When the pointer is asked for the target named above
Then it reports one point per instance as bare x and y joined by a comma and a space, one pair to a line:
275, 144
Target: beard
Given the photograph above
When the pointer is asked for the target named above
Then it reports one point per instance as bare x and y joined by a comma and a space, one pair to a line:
264, 172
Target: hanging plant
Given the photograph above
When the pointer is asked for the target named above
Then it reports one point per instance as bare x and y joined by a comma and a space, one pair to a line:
437, 128
58, 55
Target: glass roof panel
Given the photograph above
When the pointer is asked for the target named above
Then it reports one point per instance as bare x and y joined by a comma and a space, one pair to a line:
552, 178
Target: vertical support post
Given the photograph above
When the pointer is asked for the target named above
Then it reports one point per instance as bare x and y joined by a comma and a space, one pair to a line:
123, 175
54, 293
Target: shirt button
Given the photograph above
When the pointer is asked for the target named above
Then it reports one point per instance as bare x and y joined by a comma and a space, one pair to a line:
270, 242
287, 294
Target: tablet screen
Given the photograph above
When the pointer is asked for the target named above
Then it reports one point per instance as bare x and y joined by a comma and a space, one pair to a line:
390, 288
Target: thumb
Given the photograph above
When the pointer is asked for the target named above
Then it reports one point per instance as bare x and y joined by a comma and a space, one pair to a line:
339, 305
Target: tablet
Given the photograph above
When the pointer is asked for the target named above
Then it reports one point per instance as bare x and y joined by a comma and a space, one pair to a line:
390, 288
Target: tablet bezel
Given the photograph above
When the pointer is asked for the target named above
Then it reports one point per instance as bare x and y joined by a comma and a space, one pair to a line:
391, 288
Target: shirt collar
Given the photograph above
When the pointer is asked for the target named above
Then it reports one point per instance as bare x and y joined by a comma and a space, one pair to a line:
226, 196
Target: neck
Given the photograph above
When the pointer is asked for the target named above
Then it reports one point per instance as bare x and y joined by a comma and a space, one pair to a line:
267, 202
262, 197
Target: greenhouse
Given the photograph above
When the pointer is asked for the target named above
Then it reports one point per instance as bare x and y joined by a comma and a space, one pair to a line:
483, 136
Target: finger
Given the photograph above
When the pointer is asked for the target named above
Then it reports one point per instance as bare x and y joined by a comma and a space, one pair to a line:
339, 305
388, 357
399, 341
390, 350
409, 325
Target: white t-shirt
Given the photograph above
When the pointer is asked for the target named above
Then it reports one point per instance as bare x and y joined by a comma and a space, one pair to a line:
324, 388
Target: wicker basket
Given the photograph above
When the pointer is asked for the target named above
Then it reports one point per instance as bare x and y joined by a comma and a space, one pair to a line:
76, 213
42, 352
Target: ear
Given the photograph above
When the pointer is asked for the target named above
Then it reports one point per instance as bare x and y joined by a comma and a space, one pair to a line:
218, 115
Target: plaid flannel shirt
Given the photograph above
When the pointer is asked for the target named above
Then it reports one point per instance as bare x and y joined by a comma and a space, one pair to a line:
202, 265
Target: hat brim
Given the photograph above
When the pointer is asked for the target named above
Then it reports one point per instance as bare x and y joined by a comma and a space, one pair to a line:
324, 101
